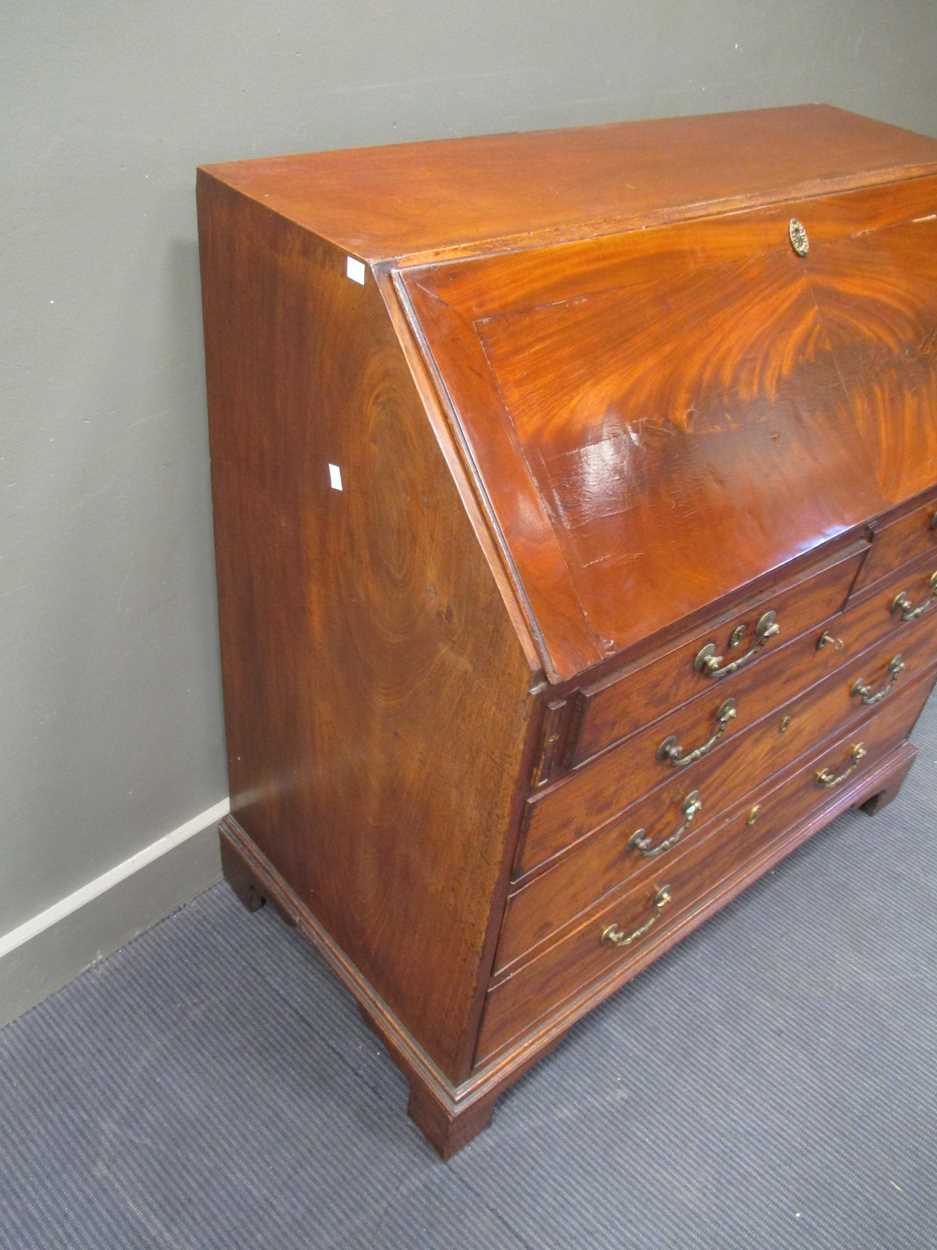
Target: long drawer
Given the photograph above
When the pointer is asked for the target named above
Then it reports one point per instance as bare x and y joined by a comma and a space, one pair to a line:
599, 790
620, 704
790, 665
586, 950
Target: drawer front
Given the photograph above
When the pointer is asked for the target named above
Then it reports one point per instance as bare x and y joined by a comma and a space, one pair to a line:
620, 705
712, 718
598, 792
669, 819
582, 954
881, 613
898, 542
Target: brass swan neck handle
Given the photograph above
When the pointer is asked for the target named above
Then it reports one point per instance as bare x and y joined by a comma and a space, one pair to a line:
671, 752
902, 606
639, 840
863, 691
614, 936
827, 778
710, 664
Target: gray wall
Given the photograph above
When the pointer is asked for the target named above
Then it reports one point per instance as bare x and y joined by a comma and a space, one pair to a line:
110, 717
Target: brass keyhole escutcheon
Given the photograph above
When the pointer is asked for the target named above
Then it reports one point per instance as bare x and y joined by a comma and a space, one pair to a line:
797, 233
753, 814
784, 725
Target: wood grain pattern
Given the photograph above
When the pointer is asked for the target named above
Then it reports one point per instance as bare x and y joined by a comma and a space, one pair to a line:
639, 405
870, 605
583, 425
514, 1060
586, 799
517, 1002
547, 900
610, 708
450, 1114
332, 772
899, 542
452, 195
614, 708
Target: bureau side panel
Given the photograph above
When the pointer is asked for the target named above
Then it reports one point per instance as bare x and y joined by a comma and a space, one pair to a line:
377, 699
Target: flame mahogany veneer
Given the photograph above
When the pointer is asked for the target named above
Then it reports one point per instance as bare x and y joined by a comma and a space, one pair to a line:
574, 517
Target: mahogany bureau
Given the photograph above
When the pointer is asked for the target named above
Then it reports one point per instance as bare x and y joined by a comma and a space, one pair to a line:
576, 521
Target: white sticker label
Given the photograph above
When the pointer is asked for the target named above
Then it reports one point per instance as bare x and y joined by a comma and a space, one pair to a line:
355, 269
335, 477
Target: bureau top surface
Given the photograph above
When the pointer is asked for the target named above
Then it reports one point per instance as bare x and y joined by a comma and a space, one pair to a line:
471, 194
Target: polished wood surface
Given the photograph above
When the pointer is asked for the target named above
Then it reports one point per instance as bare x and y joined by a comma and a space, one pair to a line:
605, 713
614, 708
453, 195
332, 772
638, 406
600, 791
899, 541
481, 501
544, 901
872, 790
558, 970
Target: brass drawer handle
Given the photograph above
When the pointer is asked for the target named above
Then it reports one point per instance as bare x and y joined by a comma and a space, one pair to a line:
671, 752
617, 937
692, 804
903, 606
827, 778
862, 690
710, 664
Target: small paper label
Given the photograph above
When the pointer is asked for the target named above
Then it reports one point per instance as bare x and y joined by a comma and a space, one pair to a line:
355, 269
335, 477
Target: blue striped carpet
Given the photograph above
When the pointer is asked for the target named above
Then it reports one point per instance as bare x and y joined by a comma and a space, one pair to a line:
771, 1083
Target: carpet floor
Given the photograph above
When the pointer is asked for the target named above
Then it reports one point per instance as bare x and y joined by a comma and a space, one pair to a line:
770, 1083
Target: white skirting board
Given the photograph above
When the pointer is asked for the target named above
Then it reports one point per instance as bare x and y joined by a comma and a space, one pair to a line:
47, 951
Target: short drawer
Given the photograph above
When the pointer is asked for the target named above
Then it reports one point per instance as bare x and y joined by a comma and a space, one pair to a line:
599, 791
903, 604
620, 704
898, 542
645, 913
